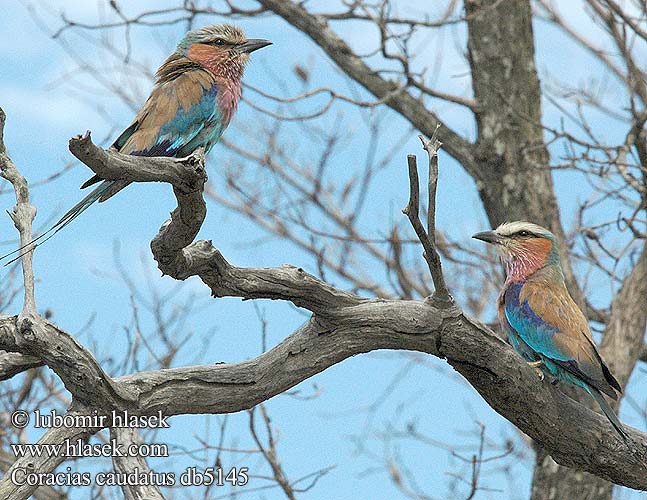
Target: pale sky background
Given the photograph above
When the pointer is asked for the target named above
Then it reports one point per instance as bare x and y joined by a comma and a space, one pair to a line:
79, 282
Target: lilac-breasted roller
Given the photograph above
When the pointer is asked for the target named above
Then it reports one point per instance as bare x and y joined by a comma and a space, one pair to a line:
196, 93
542, 321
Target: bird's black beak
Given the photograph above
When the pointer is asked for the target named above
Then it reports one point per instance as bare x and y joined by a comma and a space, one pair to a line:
253, 44
488, 237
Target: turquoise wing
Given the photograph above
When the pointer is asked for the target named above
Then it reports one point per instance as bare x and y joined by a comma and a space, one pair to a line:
179, 116
565, 349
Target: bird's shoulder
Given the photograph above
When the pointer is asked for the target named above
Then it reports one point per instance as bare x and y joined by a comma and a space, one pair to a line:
176, 110
189, 89
571, 339
550, 300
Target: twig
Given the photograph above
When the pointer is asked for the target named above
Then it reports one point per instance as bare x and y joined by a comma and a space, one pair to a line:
22, 216
428, 239
270, 453
432, 146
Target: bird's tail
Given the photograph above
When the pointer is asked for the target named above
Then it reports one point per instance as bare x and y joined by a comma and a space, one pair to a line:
610, 414
106, 187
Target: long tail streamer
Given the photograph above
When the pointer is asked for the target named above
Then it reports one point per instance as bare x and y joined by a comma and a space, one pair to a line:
71, 214
610, 414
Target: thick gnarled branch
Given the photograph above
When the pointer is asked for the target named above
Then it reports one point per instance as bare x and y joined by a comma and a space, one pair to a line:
186, 174
13, 363
75, 365
574, 435
343, 325
340, 320
509, 157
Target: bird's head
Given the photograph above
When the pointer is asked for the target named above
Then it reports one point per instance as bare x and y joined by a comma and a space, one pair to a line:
223, 49
523, 246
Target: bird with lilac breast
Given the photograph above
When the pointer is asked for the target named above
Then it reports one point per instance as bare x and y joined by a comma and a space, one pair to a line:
196, 93
543, 323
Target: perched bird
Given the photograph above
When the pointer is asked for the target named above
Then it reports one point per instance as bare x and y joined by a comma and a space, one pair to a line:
542, 321
196, 93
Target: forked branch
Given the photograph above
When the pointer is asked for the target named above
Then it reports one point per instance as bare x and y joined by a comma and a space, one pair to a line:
412, 211
22, 216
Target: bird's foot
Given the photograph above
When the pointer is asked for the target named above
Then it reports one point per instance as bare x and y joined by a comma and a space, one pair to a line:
536, 365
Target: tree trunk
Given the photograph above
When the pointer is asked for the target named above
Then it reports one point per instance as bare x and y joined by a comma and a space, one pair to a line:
551, 481
515, 182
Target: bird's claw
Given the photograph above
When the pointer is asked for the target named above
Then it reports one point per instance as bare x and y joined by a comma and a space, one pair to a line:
536, 365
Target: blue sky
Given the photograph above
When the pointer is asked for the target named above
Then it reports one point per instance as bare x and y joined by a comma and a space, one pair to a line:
79, 282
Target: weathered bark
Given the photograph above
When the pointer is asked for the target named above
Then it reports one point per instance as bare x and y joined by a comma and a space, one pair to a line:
129, 436
513, 179
551, 481
12, 363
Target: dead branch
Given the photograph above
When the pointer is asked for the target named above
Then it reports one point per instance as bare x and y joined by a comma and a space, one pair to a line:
22, 216
412, 210
186, 174
128, 436
12, 364
508, 149
45, 462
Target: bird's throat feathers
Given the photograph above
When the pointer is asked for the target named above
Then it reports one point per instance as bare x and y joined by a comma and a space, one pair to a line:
227, 71
221, 63
228, 96
528, 257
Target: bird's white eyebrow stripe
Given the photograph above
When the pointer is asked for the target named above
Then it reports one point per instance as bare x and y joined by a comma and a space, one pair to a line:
510, 228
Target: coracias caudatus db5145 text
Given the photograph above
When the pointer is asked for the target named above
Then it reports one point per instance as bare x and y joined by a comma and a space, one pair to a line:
542, 321
195, 96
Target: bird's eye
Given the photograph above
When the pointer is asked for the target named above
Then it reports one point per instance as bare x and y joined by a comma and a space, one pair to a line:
523, 233
218, 41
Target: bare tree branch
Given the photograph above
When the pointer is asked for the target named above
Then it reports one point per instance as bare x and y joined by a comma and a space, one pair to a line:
43, 463
509, 161
269, 453
74, 364
427, 238
128, 436
23, 215
12, 364
42, 493
186, 174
